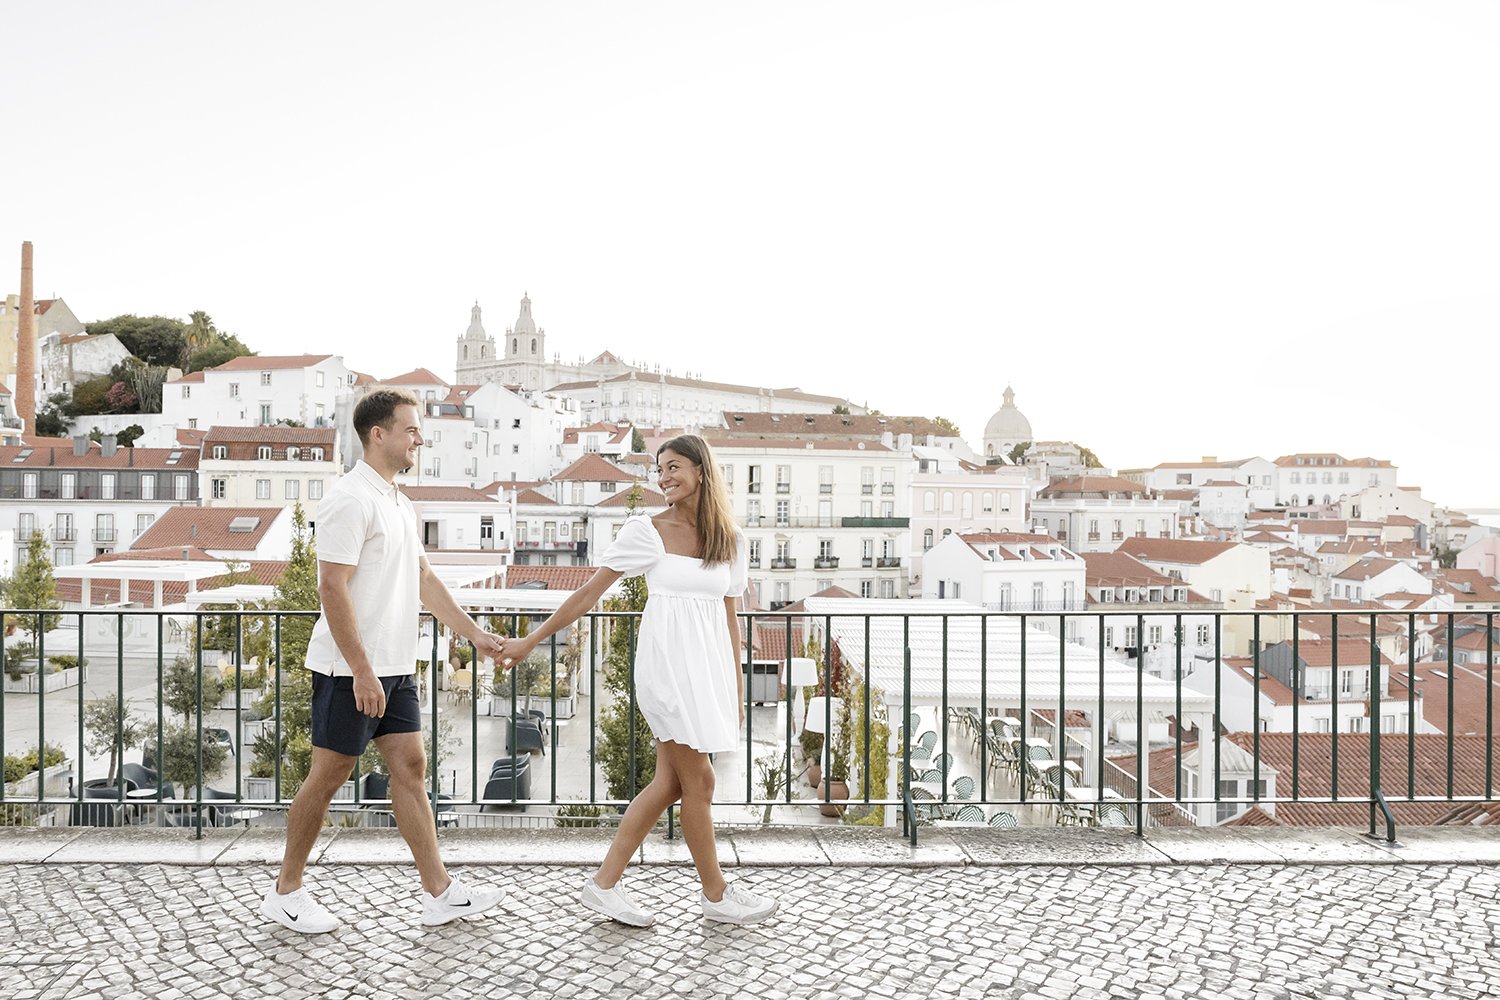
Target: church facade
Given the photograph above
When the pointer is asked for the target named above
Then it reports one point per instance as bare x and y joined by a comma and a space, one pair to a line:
519, 358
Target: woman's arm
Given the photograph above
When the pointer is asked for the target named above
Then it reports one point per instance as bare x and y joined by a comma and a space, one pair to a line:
731, 607
574, 608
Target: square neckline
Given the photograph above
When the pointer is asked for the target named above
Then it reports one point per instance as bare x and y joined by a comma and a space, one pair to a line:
652, 521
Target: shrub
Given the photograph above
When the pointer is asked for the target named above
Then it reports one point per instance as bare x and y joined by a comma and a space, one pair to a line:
66, 662
18, 766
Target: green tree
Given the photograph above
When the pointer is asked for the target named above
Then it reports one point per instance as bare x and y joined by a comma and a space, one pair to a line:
1017, 454
144, 380
1447, 558
947, 425
156, 340
841, 408
89, 397
180, 755
619, 727
102, 719
179, 687
52, 421
637, 441
33, 589
1090, 460
297, 590
130, 435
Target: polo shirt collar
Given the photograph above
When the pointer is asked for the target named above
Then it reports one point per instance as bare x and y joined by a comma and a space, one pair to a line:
375, 479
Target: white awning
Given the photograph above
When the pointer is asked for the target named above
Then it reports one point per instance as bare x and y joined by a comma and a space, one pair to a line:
151, 570
1053, 666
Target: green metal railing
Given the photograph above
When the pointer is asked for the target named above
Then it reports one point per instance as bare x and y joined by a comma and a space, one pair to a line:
846, 644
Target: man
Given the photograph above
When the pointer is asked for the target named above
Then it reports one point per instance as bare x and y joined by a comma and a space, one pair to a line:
372, 574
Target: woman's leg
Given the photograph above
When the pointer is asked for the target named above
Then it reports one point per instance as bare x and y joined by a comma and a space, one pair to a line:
644, 810
695, 775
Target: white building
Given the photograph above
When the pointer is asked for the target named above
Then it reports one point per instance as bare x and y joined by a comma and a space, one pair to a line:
1482, 556
88, 499
1256, 474
660, 399
1005, 571
272, 466
1227, 573
462, 525
1372, 578
610, 440
261, 391
1320, 479
1143, 609
952, 496
1224, 504
520, 359
65, 360
1007, 428
819, 514
1097, 513
1377, 503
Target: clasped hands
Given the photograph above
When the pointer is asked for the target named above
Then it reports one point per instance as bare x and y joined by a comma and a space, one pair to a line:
504, 650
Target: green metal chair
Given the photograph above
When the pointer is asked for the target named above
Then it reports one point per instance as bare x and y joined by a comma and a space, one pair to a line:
963, 787
1004, 821
969, 814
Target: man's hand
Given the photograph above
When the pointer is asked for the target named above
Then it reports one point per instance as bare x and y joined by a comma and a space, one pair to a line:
369, 695
513, 651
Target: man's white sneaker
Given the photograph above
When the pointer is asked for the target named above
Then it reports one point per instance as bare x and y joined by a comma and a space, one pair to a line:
738, 906
297, 910
457, 901
614, 903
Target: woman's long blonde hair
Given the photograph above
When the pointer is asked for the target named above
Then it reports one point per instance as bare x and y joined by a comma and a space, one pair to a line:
715, 517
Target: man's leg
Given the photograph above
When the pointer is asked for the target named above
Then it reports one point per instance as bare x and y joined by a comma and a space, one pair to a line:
407, 760
304, 820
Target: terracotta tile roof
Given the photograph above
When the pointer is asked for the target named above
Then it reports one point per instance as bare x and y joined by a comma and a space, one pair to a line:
1352, 547
189, 377
617, 432
643, 379
190, 436
649, 498
1075, 718
445, 494
1086, 485
593, 468
1226, 483
1469, 584
1174, 550
1336, 460
1319, 526
1116, 569
1319, 652
1367, 568
278, 434
61, 456
1315, 775
748, 443
208, 528
506, 485
1270, 687
1179, 494
271, 362
737, 422
549, 577
1264, 536
1202, 465
533, 498
1470, 689
1008, 538
1402, 521
40, 306
834, 591
417, 376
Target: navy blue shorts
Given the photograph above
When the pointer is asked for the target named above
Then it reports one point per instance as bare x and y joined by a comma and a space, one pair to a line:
338, 726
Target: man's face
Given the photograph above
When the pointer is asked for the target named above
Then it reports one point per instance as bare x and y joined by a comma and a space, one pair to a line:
398, 445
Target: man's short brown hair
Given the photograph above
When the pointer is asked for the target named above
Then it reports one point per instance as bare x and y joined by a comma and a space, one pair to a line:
378, 408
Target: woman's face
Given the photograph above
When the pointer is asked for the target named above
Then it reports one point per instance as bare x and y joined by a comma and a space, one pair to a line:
677, 477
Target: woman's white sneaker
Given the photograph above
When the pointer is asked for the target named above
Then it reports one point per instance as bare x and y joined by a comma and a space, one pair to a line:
458, 901
297, 910
738, 906
614, 903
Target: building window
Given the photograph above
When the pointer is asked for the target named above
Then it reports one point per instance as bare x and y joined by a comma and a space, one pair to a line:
1109, 636
929, 501
887, 589
220, 452
62, 557
1205, 636
187, 392
219, 487
265, 378
293, 453
867, 588
107, 486
315, 489
69, 485
987, 503
754, 551
1155, 633
180, 487
262, 489
293, 489
148, 487
28, 485
265, 414
317, 454
234, 390
263, 453
318, 379
783, 513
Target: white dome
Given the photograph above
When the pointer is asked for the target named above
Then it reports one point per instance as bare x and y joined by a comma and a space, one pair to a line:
1007, 428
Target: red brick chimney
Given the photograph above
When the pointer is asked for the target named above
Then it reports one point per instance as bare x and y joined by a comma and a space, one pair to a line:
25, 398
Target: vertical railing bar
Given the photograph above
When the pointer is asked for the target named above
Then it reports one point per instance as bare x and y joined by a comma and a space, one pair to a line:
1489, 705
593, 710
474, 722
942, 720
119, 750
160, 657
1374, 718
276, 654
552, 640
4, 662
1411, 705
1143, 748
1177, 757
1450, 706
1299, 691
1099, 750
786, 658
747, 636
41, 712
1062, 710
984, 706
1334, 684
237, 734
1025, 749
510, 723
1218, 700
433, 746
630, 756
198, 727
1255, 737
869, 722
906, 800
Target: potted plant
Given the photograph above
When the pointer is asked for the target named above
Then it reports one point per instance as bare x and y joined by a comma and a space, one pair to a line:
837, 791
812, 755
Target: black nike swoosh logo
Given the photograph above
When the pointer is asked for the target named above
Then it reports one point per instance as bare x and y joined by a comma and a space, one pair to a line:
467, 902
289, 915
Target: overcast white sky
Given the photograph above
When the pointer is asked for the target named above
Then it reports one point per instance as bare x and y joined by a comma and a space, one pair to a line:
1178, 229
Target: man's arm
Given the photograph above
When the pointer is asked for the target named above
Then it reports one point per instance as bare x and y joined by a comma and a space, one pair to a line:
578, 602
338, 611
437, 598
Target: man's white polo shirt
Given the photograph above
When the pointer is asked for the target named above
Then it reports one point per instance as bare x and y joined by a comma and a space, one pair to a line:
365, 522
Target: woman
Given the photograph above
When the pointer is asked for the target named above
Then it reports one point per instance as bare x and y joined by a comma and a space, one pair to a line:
688, 682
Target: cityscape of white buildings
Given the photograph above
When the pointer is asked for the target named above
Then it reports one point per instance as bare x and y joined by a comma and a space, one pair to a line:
530, 461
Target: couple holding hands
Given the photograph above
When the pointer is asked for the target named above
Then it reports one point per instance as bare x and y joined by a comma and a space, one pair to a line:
373, 580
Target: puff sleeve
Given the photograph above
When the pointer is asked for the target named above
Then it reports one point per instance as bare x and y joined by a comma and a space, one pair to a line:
635, 550
739, 570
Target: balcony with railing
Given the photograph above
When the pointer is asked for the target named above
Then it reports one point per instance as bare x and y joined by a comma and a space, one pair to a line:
971, 699
784, 563
826, 562
888, 562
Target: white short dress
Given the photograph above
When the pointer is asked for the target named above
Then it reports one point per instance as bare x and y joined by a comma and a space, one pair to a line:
684, 666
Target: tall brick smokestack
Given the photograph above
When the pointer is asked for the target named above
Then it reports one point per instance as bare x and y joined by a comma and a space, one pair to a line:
25, 398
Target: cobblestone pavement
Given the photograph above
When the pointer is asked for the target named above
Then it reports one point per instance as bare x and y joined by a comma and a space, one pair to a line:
1242, 931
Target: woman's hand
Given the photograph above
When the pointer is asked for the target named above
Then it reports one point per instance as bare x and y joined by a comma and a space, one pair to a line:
513, 651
